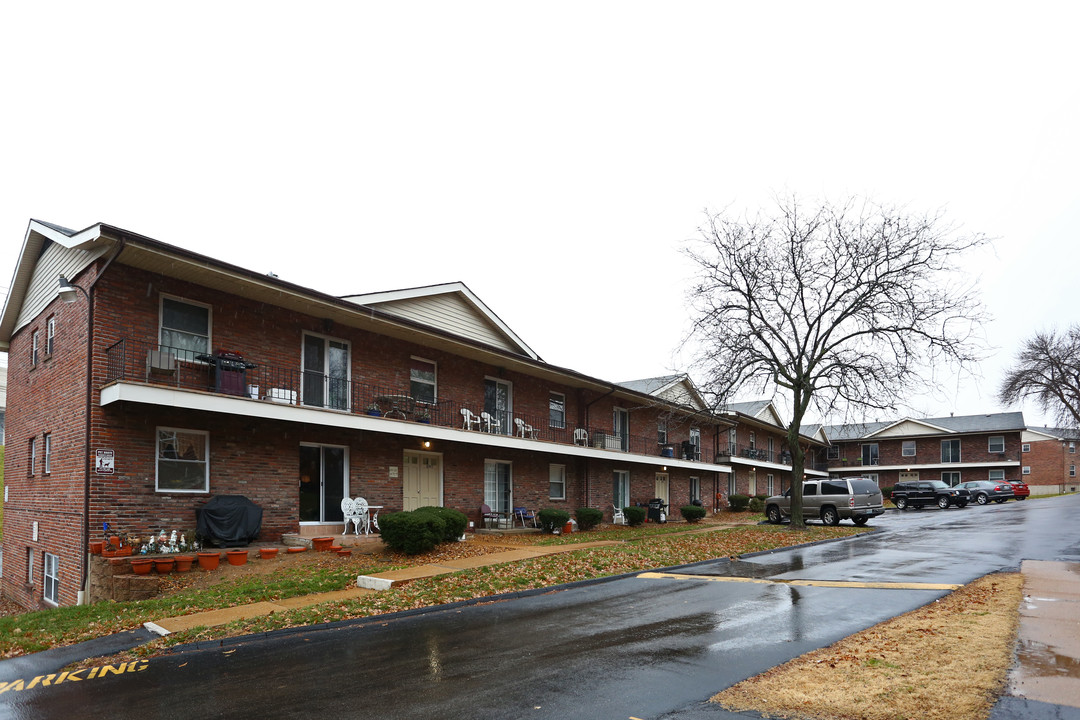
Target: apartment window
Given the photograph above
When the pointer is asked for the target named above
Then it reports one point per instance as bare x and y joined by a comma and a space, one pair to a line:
498, 484
695, 489
997, 476
732, 441
870, 454
499, 403
52, 578
950, 478
557, 410
874, 477
620, 488
621, 426
47, 453
185, 327
661, 432
557, 482
29, 566
753, 440
695, 443
1072, 447
833, 452
769, 484
422, 380
1072, 471
1026, 470
32, 453
183, 460
1026, 447
326, 373
950, 451
997, 444
732, 484
908, 448
33, 348
50, 335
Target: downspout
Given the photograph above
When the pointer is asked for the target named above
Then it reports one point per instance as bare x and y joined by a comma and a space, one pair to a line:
87, 411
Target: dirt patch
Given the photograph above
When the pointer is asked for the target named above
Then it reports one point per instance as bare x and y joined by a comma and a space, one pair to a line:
945, 661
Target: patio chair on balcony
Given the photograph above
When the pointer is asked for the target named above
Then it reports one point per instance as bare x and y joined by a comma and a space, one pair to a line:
524, 429
525, 515
469, 419
489, 422
581, 437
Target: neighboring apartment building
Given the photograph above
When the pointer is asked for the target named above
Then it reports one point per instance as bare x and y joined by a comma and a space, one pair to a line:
951, 449
158, 378
1049, 460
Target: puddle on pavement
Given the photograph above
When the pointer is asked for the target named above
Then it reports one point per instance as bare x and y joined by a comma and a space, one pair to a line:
1037, 660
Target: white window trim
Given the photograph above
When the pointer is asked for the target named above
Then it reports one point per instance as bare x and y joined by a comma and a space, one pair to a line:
434, 363
555, 423
33, 456
50, 579
904, 450
959, 451
206, 451
990, 444
1026, 470
863, 454
695, 481
209, 322
34, 348
562, 480
990, 475
47, 454
50, 335
1026, 447
624, 478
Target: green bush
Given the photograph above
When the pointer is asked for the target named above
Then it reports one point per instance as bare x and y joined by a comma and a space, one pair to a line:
588, 518
757, 504
552, 519
692, 513
455, 520
738, 502
412, 532
762, 497
886, 492
634, 515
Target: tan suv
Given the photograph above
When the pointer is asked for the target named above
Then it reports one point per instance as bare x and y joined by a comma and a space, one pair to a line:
857, 499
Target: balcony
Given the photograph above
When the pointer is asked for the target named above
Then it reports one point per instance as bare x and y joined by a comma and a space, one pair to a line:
747, 452
244, 378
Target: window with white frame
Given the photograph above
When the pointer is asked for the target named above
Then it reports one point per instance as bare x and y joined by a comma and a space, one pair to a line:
184, 327
907, 449
695, 443
732, 441
556, 410
950, 451
51, 574
498, 485
753, 440
1072, 447
1072, 471
731, 484
422, 375
50, 335
620, 488
950, 478
47, 454
1026, 447
183, 460
29, 566
771, 451
832, 452
556, 482
695, 489
661, 432
1026, 470
769, 484
997, 444
870, 454
996, 476
33, 348
32, 453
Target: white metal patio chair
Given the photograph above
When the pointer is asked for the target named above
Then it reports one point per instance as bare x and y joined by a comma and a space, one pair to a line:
618, 517
489, 422
468, 419
349, 510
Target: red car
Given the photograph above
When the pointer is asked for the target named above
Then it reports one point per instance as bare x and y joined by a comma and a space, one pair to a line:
1020, 489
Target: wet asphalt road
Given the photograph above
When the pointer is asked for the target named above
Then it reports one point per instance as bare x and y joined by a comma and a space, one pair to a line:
632, 647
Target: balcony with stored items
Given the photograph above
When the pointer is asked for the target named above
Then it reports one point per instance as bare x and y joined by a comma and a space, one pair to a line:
731, 452
269, 391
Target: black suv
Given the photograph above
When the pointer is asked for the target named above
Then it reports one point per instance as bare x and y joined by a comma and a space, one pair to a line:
928, 492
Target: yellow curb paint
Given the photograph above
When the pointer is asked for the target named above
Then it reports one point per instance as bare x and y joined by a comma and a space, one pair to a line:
95, 673
803, 583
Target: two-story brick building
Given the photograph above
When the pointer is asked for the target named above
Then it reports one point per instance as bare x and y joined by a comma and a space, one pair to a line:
951, 449
145, 379
1049, 460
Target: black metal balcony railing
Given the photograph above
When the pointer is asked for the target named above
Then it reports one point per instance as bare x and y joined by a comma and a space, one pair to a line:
223, 373
753, 453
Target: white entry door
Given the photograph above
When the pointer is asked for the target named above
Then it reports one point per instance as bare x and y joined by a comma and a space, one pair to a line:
662, 488
422, 480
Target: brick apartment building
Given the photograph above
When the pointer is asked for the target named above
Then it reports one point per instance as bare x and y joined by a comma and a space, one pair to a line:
158, 378
951, 449
1049, 460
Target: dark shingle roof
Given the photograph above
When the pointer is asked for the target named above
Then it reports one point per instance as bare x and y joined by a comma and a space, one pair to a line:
960, 424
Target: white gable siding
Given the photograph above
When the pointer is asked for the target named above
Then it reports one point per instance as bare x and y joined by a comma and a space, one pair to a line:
54, 262
910, 428
681, 395
450, 313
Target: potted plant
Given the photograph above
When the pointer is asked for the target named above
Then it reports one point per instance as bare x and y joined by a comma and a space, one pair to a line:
373, 410
423, 415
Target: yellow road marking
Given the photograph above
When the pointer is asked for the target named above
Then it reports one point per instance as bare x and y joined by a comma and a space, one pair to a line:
803, 583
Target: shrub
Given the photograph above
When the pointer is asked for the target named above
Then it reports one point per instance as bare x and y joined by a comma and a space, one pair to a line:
455, 520
588, 518
552, 519
738, 502
692, 513
634, 515
886, 492
757, 504
412, 532
762, 497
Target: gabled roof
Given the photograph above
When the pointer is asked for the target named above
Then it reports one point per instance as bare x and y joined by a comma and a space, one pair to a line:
450, 306
678, 389
909, 427
1050, 433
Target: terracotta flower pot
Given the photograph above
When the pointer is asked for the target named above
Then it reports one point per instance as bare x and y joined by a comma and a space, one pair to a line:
321, 544
96, 546
183, 562
114, 540
344, 552
209, 560
268, 553
296, 550
142, 566
237, 557
164, 566
336, 548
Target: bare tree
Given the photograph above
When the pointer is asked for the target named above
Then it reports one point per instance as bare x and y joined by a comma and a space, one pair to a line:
1047, 370
836, 306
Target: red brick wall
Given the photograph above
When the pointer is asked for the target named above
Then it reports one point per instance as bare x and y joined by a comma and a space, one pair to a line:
1050, 462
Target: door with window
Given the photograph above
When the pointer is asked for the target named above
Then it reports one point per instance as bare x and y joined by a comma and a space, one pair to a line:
421, 480
753, 482
499, 404
498, 486
621, 428
663, 489
323, 482
325, 372
620, 488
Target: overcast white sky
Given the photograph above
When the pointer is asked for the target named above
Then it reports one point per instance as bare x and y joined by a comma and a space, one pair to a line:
553, 156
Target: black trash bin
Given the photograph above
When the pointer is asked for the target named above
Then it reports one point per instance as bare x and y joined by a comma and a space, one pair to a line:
657, 510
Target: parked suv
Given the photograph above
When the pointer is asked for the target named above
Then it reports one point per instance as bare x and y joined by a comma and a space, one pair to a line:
856, 499
928, 492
